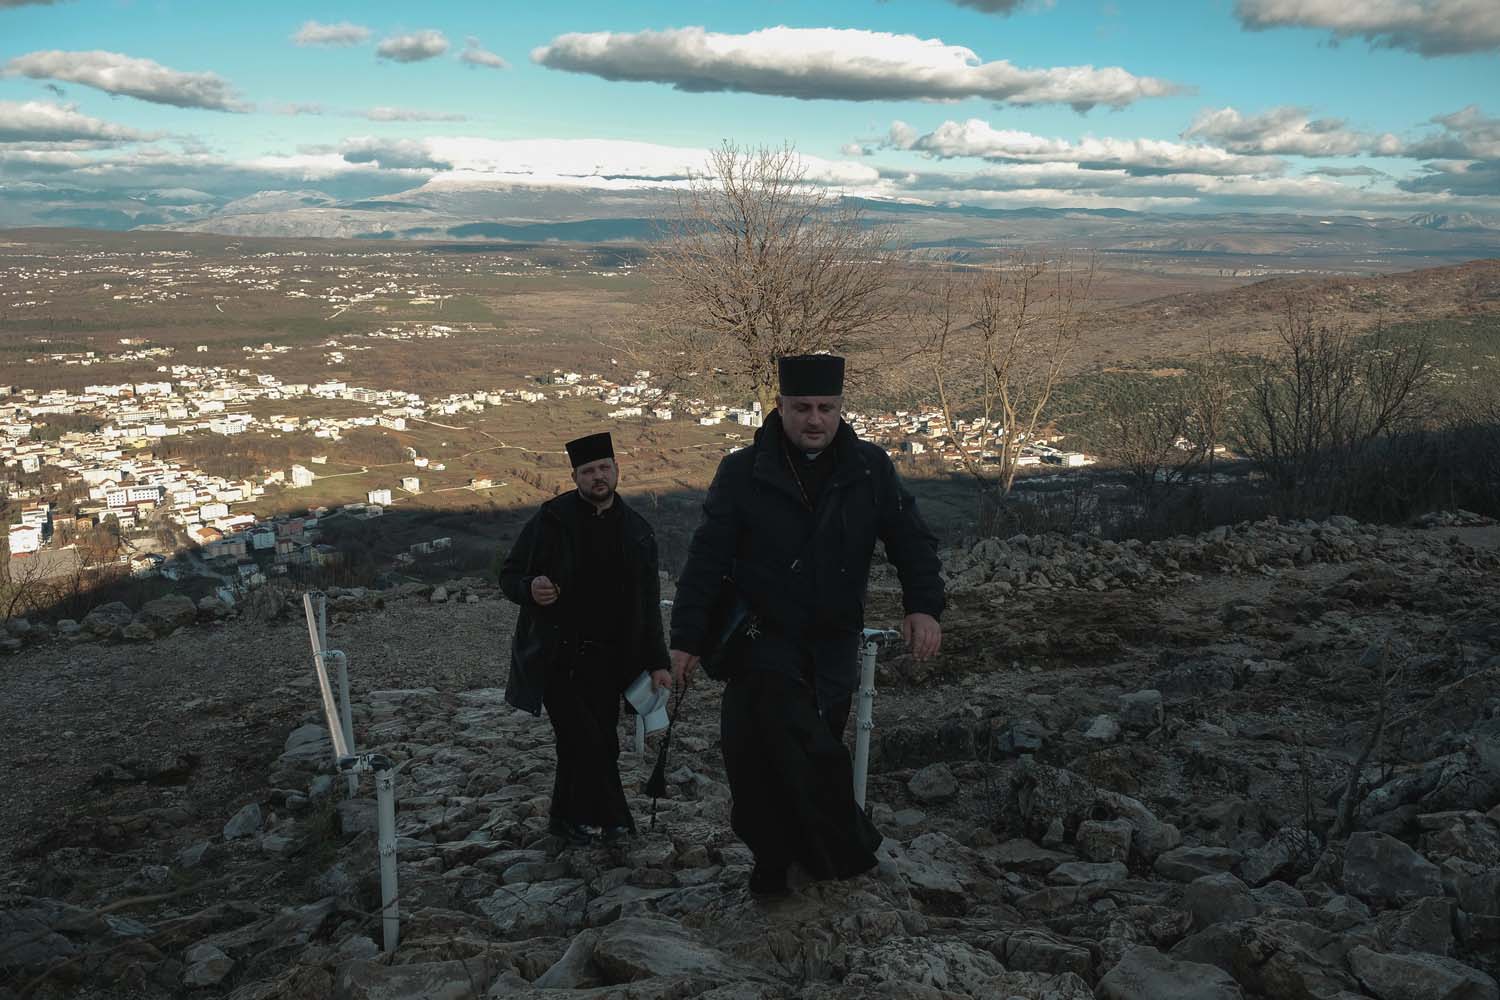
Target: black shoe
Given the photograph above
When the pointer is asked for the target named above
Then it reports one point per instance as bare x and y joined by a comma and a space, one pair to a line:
766, 880
616, 834
572, 833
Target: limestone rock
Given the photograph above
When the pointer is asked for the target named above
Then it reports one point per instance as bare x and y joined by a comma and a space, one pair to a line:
1420, 977
1183, 864
1088, 872
1274, 958
1104, 840
1381, 869
243, 823
933, 783
1146, 974
1037, 951
635, 948
1292, 851
537, 907
106, 619
1141, 711
1218, 898
455, 980
166, 614
1046, 795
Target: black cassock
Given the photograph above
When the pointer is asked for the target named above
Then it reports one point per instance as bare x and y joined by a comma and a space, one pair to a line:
792, 780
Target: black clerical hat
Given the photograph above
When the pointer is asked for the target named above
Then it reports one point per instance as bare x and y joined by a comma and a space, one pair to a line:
582, 451
811, 375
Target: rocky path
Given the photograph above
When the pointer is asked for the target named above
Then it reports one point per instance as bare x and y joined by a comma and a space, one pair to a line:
1126, 778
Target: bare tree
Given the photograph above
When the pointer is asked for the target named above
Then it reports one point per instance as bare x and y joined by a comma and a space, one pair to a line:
758, 264
999, 340
26, 588
1156, 442
1318, 402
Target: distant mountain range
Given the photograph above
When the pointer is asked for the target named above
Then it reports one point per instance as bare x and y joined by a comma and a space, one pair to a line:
533, 215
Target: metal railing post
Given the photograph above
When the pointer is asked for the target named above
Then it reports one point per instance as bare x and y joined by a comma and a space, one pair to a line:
385, 814
865, 720
340, 720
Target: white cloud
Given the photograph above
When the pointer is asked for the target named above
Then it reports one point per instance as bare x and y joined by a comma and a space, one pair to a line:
414, 47
978, 138
299, 108
1288, 130
1467, 134
34, 122
143, 79
1427, 27
837, 64
606, 164
476, 55
341, 34
388, 114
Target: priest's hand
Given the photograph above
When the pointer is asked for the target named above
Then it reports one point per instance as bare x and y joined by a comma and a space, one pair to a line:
661, 679
683, 665
544, 591
923, 635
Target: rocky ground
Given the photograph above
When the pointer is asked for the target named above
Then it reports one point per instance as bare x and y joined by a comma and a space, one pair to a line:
1260, 762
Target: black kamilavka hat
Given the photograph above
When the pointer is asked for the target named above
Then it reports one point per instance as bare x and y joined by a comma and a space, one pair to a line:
811, 375
582, 451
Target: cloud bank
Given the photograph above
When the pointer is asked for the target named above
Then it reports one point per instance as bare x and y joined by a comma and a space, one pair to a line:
844, 64
1426, 27
142, 79
1141, 157
1287, 130
43, 122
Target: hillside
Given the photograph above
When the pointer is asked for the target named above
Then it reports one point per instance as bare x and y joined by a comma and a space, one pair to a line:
1243, 318
1121, 780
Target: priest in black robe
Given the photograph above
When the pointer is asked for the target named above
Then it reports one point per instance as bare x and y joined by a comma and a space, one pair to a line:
792, 522
584, 571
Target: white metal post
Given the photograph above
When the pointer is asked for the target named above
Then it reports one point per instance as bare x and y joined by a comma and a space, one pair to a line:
385, 814
320, 667
865, 719
346, 712
341, 731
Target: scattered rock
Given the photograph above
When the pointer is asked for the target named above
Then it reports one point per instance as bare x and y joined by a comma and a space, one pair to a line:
933, 783
1183, 864
1146, 974
1420, 977
1381, 869
1141, 711
108, 619
244, 823
1218, 898
1104, 840
168, 613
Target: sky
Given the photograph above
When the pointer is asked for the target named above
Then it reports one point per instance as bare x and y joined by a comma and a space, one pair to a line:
114, 111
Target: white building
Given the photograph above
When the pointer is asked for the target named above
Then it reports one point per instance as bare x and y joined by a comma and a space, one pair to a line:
382, 497
411, 484
302, 476
25, 538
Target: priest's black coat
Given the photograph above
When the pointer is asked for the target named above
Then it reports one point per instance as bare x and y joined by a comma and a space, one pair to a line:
547, 546
806, 586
